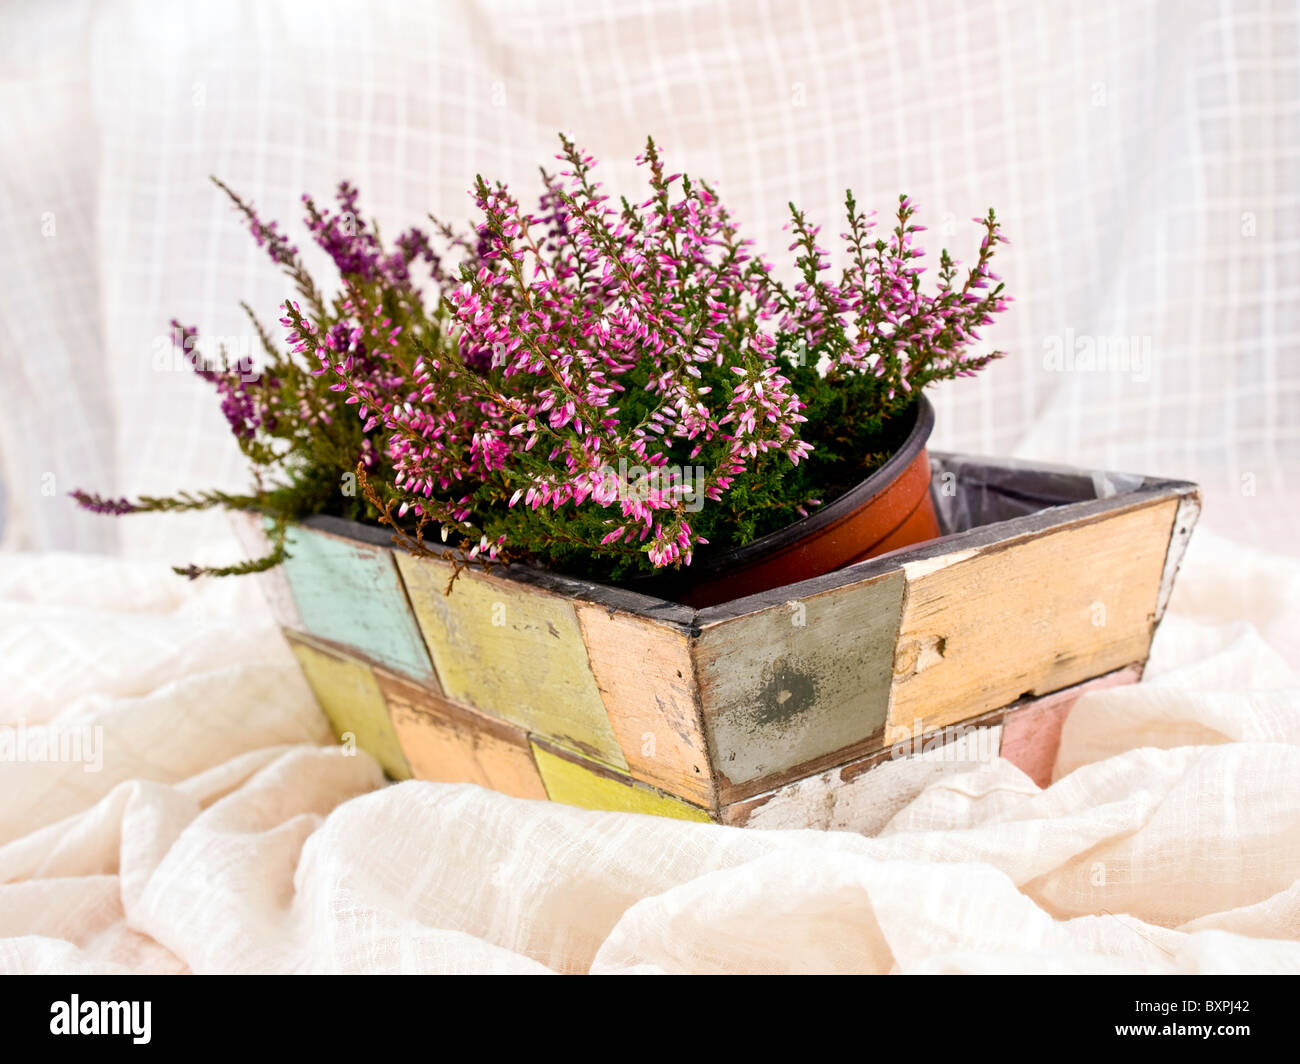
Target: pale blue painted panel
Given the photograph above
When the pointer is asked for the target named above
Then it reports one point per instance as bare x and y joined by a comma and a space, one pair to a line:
350, 593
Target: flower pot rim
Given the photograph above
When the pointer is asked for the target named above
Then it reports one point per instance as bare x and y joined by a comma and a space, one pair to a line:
856, 497
663, 585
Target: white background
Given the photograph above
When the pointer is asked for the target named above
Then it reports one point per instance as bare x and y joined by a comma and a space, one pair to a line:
1143, 157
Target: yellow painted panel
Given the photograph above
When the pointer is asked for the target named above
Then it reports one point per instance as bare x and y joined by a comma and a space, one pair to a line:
349, 694
984, 628
573, 784
513, 651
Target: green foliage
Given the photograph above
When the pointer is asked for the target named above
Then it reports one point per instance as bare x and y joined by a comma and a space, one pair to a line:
378, 394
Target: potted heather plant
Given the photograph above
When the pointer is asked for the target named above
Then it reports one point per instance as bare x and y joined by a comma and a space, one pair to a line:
622, 391
564, 505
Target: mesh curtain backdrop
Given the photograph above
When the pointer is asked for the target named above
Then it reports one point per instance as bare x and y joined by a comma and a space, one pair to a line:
1141, 155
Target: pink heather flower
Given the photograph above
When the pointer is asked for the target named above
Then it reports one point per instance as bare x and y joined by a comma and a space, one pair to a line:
584, 336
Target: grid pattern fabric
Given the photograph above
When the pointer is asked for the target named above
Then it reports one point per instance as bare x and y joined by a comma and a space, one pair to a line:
1141, 155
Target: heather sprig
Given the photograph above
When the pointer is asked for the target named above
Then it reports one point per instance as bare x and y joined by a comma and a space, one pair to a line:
602, 386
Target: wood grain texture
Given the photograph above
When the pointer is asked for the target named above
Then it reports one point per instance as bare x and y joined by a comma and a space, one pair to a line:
1060, 516
349, 593
864, 795
1031, 732
576, 781
513, 651
350, 696
449, 743
250, 530
791, 684
984, 627
645, 677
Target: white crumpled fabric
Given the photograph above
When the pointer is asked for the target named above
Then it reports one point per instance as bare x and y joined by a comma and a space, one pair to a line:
1140, 156
222, 832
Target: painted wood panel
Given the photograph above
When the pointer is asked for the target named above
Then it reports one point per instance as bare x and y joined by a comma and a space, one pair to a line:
793, 683
350, 696
864, 795
576, 781
349, 593
987, 626
1031, 734
645, 677
449, 743
513, 651
773, 710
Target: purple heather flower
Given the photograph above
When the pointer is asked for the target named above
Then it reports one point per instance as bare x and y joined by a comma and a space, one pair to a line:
555, 315
99, 504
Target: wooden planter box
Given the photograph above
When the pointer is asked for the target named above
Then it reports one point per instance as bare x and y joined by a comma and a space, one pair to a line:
773, 710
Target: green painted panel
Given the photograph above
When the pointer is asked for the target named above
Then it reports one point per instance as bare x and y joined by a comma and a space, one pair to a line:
350, 593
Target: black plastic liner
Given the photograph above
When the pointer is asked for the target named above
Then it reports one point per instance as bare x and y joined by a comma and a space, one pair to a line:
971, 492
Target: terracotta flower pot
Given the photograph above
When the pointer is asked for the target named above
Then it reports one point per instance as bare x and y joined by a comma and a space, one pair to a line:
888, 510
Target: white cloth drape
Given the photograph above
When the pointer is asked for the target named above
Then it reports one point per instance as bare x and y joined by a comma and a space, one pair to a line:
217, 836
